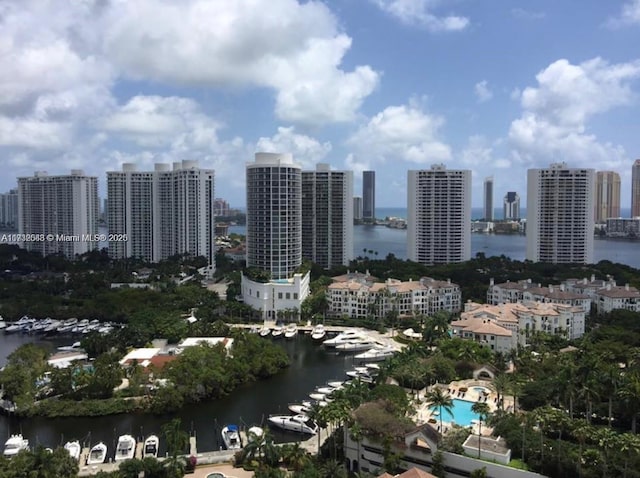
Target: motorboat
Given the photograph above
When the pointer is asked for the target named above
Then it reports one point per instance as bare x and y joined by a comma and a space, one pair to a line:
70, 348
80, 326
294, 423
355, 345
255, 433
126, 448
264, 332
277, 331
317, 396
97, 454
52, 327
365, 377
21, 325
337, 384
231, 437
343, 337
301, 408
356, 372
373, 367
106, 329
318, 332
411, 334
151, 445
3, 324
67, 325
377, 353
325, 390
291, 331
14, 445
73, 448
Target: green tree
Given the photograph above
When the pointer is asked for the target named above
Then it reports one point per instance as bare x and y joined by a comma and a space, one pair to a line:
437, 398
177, 441
482, 410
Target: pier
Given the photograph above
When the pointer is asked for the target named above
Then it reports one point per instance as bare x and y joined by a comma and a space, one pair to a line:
310, 444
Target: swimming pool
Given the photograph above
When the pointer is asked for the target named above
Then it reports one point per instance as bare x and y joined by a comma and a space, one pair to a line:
462, 414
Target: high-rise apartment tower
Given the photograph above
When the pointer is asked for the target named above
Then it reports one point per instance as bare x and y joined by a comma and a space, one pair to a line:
274, 214
635, 189
62, 211
163, 212
511, 206
607, 200
327, 216
439, 215
560, 222
369, 196
9, 209
488, 198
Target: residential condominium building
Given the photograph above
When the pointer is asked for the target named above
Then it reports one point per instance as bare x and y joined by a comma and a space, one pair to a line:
439, 215
560, 222
635, 189
505, 326
274, 235
62, 213
488, 199
525, 290
617, 297
220, 207
327, 216
357, 296
607, 200
162, 213
369, 196
9, 209
357, 208
511, 206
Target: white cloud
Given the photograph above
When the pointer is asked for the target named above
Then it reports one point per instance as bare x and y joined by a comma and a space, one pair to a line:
482, 91
553, 124
401, 133
419, 12
629, 15
295, 49
306, 151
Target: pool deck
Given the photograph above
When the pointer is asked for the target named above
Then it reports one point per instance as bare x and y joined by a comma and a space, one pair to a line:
424, 413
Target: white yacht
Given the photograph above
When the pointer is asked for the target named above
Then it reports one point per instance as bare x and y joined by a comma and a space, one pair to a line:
317, 396
355, 345
318, 332
294, 423
97, 454
325, 390
73, 448
337, 384
377, 353
231, 437
254, 433
277, 331
343, 337
151, 445
14, 445
264, 331
291, 331
126, 448
301, 408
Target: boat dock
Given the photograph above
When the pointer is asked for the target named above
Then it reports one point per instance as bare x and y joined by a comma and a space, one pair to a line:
310, 444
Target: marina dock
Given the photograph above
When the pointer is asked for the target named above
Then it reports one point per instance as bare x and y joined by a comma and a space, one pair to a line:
310, 444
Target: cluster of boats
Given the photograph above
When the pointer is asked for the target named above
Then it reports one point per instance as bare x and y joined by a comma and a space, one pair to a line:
289, 331
125, 449
232, 438
49, 326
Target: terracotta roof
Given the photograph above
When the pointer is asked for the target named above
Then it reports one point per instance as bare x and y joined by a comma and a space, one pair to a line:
489, 328
620, 292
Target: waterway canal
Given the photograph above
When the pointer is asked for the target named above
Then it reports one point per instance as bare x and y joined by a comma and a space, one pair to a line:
311, 366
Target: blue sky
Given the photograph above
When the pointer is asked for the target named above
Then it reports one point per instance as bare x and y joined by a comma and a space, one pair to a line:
495, 86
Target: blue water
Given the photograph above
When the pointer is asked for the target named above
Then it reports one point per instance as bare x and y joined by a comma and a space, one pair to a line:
462, 413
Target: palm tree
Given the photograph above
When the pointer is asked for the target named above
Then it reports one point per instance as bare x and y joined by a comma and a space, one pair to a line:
177, 441
581, 431
482, 410
437, 398
629, 445
501, 383
630, 394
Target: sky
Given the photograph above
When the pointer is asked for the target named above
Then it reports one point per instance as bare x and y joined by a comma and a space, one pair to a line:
494, 86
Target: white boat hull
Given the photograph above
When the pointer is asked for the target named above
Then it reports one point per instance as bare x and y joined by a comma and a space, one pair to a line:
295, 423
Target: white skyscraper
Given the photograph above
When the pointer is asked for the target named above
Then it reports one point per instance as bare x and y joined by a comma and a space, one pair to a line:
327, 216
274, 235
488, 198
560, 223
439, 215
274, 214
162, 212
61, 211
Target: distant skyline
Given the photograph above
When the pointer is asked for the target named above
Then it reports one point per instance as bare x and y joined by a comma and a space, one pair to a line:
383, 85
